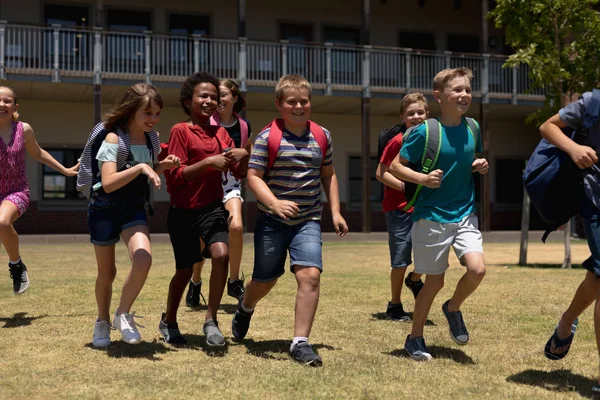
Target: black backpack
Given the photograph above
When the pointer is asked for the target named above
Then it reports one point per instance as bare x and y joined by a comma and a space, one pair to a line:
385, 136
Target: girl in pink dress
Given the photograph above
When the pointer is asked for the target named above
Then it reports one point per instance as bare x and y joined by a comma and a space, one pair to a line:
15, 138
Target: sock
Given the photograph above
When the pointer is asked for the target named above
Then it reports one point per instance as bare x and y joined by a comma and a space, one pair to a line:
248, 310
15, 262
196, 284
298, 339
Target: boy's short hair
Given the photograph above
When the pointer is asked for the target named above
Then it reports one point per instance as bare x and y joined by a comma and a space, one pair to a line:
446, 75
291, 81
411, 99
187, 88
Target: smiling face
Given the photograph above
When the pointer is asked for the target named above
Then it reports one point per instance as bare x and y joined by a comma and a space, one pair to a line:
146, 117
294, 107
414, 114
204, 101
455, 98
227, 100
8, 105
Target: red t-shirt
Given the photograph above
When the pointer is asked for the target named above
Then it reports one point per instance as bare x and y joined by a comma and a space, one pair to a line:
193, 144
392, 198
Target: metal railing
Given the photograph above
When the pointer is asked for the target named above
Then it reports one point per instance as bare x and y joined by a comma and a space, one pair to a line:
58, 51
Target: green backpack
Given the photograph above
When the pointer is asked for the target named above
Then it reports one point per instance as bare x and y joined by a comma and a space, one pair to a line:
431, 152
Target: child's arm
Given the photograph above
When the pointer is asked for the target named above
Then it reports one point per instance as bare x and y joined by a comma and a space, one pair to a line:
41, 155
583, 156
284, 209
113, 180
238, 158
384, 176
332, 191
400, 170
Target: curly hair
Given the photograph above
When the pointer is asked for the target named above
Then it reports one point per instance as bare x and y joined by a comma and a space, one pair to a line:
187, 89
138, 95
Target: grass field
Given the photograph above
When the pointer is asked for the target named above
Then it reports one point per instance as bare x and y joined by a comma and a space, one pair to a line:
45, 334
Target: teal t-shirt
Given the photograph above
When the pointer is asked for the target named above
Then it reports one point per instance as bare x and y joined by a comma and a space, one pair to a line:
455, 198
108, 152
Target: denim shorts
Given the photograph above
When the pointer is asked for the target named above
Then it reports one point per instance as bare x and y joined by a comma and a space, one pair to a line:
273, 240
399, 224
590, 215
107, 218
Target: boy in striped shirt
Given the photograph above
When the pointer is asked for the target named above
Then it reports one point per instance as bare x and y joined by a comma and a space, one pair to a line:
289, 202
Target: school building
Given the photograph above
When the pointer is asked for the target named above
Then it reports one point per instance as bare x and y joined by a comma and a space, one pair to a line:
70, 59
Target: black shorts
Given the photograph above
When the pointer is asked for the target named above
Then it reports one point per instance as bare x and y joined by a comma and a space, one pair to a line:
187, 226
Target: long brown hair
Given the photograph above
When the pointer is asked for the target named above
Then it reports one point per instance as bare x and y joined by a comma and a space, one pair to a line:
135, 97
240, 104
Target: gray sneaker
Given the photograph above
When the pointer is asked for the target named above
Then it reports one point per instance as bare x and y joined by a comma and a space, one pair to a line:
170, 332
305, 355
458, 330
214, 337
417, 349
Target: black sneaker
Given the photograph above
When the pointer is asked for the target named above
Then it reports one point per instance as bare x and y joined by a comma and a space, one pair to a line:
18, 273
305, 355
414, 286
417, 349
192, 298
170, 332
458, 330
235, 288
395, 312
240, 322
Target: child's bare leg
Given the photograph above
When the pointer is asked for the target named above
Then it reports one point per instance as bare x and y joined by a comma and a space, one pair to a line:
219, 252
586, 293
236, 237
9, 213
197, 274
176, 288
137, 241
256, 291
470, 280
397, 279
307, 299
107, 270
433, 284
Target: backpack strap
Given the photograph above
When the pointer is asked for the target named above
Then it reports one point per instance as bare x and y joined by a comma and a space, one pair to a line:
473, 128
276, 128
244, 131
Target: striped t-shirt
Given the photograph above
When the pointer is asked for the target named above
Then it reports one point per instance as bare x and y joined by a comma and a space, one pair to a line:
296, 173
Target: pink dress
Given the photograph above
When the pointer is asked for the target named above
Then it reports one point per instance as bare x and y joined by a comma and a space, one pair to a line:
13, 180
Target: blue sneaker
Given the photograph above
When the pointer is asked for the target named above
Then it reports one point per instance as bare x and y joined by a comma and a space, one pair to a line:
417, 349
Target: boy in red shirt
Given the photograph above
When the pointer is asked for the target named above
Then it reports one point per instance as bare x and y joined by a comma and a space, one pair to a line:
413, 111
197, 210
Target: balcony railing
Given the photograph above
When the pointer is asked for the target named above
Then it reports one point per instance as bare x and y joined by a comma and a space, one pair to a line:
59, 52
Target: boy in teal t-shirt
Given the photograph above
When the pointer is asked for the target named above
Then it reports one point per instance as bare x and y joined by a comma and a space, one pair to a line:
444, 214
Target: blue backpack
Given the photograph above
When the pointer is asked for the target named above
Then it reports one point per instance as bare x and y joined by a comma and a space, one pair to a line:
553, 181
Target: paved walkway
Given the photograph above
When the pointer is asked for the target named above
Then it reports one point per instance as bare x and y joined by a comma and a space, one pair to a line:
488, 237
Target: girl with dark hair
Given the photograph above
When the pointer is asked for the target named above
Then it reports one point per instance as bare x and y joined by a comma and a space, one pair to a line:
118, 203
227, 115
15, 138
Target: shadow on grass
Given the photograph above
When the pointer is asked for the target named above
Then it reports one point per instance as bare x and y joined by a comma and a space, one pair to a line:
381, 317
18, 320
276, 349
226, 308
455, 355
561, 380
542, 266
198, 342
148, 350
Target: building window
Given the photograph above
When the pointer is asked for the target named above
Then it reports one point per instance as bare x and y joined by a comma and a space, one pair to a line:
355, 178
74, 46
300, 59
463, 43
296, 32
345, 62
509, 181
128, 20
54, 184
66, 15
176, 54
416, 40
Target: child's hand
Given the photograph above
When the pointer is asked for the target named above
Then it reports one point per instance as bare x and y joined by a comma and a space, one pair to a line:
340, 225
285, 209
153, 176
583, 156
236, 155
481, 165
73, 170
171, 161
433, 180
220, 162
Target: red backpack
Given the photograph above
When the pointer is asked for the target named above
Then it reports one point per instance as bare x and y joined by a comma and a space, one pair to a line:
276, 128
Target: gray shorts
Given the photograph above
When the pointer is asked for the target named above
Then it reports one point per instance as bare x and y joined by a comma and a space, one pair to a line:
432, 241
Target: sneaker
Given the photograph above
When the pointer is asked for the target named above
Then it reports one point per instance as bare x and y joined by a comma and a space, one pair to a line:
170, 332
18, 273
102, 334
125, 324
458, 330
214, 337
192, 298
241, 321
235, 288
414, 286
395, 312
417, 349
305, 355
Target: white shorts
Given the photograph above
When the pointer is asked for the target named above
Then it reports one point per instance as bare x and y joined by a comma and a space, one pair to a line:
432, 241
232, 187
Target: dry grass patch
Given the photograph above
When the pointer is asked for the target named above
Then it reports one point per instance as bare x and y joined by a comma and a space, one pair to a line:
45, 335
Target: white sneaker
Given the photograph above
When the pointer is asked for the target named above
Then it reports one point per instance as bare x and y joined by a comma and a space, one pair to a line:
102, 334
125, 324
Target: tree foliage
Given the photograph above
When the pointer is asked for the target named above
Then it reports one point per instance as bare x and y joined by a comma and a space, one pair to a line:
559, 41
